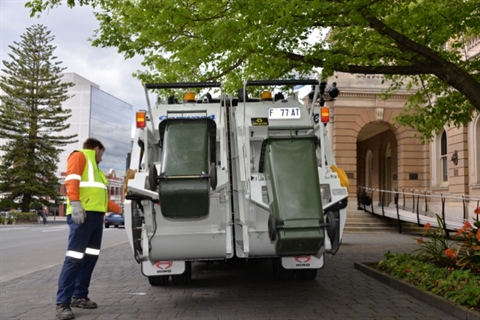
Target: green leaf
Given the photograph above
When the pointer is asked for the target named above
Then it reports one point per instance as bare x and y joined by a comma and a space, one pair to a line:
418, 45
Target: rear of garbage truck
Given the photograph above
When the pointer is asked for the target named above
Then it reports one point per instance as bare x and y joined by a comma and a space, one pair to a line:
212, 179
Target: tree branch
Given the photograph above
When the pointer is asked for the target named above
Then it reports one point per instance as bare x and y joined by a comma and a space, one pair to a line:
229, 69
400, 70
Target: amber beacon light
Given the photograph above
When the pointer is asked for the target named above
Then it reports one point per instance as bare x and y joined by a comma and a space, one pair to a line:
189, 97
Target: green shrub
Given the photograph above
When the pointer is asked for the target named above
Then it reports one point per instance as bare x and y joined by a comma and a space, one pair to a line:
463, 253
450, 269
22, 217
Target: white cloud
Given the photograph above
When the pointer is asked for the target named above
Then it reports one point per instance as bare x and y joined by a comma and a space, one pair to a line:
72, 28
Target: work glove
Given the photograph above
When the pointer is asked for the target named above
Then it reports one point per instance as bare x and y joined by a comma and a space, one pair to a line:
78, 214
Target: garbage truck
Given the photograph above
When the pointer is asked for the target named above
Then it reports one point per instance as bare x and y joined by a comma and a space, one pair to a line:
233, 177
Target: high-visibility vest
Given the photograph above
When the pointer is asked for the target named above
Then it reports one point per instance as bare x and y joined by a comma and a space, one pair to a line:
93, 186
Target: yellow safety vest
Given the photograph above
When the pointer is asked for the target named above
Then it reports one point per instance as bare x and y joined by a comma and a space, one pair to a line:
93, 186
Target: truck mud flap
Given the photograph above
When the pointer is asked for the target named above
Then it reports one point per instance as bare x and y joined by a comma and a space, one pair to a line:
160, 268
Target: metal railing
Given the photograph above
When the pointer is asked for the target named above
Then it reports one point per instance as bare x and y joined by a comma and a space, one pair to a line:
418, 207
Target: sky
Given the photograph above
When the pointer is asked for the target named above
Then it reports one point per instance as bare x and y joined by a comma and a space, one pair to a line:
71, 29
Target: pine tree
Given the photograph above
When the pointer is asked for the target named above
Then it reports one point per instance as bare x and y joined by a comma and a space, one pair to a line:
32, 119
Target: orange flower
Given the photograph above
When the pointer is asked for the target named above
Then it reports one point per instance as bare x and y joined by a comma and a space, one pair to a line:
478, 235
428, 225
477, 210
466, 226
450, 253
420, 240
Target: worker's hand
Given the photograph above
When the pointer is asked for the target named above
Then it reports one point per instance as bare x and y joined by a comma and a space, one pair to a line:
121, 211
78, 214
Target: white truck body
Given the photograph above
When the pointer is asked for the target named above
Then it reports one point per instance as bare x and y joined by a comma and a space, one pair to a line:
239, 141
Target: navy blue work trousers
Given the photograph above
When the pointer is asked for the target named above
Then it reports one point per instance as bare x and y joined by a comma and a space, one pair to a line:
84, 242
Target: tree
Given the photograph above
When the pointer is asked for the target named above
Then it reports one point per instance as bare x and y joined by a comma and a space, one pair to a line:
415, 43
32, 118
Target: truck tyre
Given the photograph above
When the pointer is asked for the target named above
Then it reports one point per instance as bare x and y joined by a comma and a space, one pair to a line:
185, 277
280, 272
272, 228
152, 177
332, 225
213, 175
306, 274
158, 280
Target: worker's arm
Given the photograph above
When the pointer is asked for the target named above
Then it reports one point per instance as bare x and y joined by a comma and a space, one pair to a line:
113, 207
75, 165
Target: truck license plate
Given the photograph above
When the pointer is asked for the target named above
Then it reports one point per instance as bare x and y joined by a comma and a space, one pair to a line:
284, 113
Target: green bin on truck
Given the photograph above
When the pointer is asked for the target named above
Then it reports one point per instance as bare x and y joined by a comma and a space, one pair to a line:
293, 189
184, 186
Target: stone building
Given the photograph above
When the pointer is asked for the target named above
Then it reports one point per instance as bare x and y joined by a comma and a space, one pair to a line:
378, 154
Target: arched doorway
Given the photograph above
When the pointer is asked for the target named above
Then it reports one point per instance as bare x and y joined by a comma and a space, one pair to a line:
377, 159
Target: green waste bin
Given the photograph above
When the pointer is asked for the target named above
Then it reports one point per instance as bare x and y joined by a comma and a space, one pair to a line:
294, 192
184, 186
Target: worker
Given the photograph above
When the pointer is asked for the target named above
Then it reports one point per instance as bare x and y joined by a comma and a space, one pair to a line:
87, 202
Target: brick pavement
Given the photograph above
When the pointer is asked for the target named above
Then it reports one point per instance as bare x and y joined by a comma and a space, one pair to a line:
221, 291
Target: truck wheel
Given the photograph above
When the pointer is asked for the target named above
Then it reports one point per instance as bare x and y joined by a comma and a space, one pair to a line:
272, 227
213, 175
107, 225
185, 277
158, 280
280, 272
152, 177
332, 225
306, 274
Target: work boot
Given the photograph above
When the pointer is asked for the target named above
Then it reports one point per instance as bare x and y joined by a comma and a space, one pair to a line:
64, 312
83, 303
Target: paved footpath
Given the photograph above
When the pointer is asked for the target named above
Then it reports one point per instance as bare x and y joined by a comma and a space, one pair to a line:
220, 291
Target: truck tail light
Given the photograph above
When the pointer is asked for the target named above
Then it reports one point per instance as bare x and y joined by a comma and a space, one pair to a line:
141, 119
325, 114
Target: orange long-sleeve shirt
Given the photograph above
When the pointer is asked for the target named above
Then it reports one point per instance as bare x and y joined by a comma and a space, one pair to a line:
75, 165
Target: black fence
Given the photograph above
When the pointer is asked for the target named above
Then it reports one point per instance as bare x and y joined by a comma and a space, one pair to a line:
417, 206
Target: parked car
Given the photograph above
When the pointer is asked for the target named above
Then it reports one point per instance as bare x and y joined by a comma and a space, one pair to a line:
114, 219
4, 214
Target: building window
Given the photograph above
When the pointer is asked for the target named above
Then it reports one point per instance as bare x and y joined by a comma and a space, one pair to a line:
443, 158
